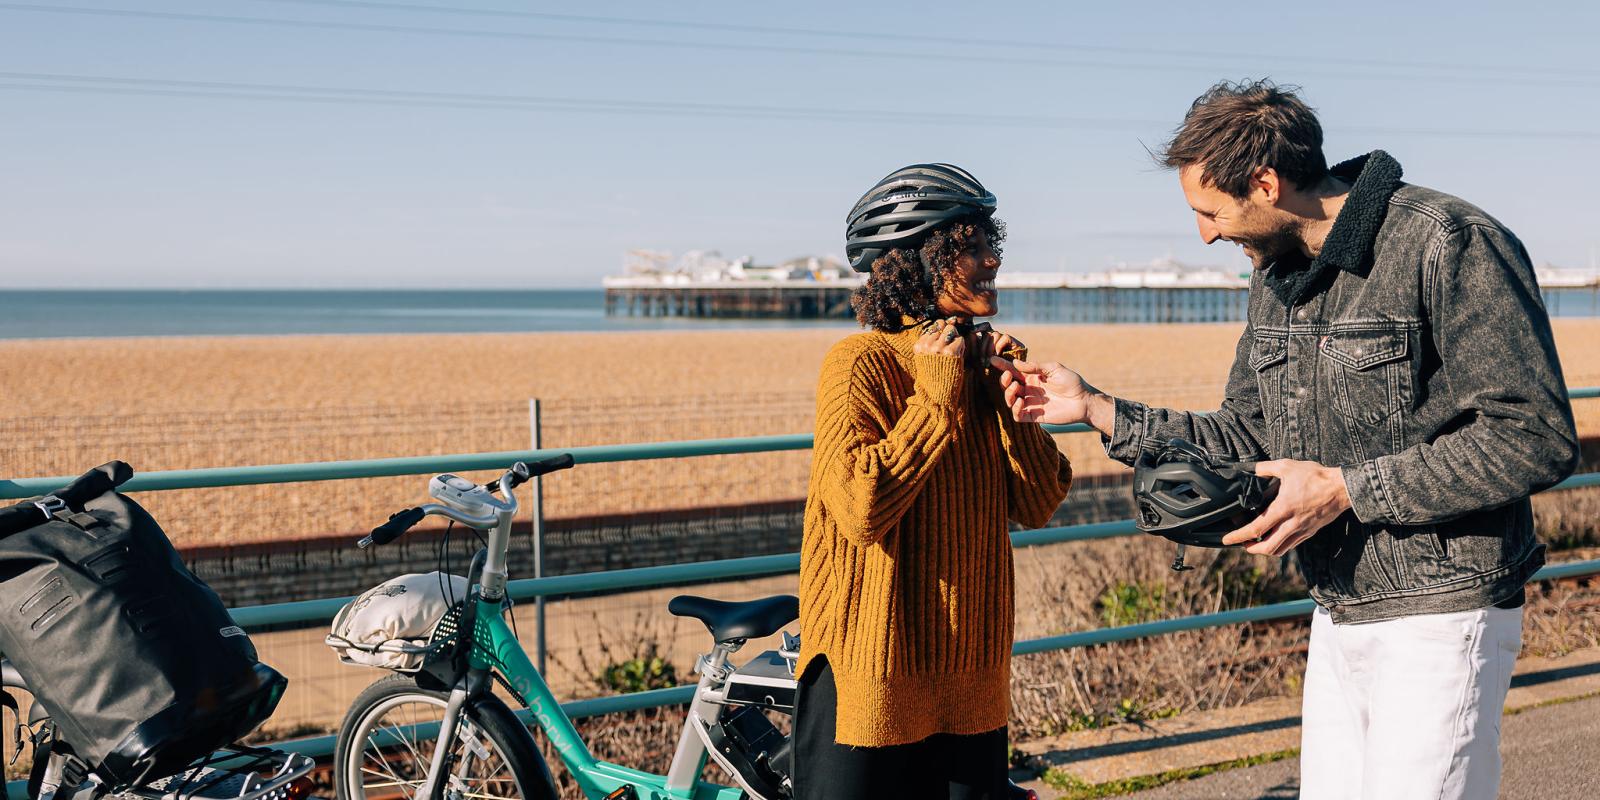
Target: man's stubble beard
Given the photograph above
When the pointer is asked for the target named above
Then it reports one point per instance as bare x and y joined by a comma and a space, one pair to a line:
1270, 246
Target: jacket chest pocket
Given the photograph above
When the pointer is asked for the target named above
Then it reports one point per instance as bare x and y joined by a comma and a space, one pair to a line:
1268, 354
1370, 374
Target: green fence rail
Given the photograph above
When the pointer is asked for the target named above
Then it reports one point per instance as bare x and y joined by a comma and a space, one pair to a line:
322, 610
317, 611
219, 477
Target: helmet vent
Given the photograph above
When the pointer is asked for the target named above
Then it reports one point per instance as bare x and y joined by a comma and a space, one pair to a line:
1184, 491
1149, 514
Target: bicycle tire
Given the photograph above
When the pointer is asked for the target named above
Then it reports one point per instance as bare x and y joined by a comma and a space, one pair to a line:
490, 717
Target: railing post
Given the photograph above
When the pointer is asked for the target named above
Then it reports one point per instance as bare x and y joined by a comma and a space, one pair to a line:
534, 426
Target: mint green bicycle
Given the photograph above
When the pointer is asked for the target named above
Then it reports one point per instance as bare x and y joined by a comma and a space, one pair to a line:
438, 731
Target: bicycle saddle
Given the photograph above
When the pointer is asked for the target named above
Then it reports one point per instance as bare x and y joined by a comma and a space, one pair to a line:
729, 622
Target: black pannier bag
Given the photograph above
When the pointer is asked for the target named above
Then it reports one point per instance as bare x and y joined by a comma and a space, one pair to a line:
136, 659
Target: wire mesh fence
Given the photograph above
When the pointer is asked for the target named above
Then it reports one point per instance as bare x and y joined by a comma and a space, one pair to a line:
292, 541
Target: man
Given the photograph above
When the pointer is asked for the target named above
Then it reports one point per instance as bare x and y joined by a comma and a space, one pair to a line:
1398, 369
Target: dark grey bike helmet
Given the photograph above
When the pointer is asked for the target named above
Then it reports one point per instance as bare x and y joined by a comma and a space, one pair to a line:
907, 205
1186, 495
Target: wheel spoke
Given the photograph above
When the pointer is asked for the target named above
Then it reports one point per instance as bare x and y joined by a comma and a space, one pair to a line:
391, 761
381, 762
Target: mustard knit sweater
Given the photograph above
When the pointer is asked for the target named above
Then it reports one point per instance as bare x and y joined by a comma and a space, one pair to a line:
906, 583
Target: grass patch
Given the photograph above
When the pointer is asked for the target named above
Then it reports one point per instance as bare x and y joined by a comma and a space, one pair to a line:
1553, 702
1133, 603
1078, 789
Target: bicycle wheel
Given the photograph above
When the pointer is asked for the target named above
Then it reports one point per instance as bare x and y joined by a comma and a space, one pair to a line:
380, 756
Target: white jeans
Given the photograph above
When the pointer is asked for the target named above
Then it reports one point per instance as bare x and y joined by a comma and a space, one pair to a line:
1409, 708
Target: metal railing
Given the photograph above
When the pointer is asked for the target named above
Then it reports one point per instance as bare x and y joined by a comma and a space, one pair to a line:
323, 610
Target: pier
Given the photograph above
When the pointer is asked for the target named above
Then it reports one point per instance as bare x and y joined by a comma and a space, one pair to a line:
1088, 305
703, 285
764, 300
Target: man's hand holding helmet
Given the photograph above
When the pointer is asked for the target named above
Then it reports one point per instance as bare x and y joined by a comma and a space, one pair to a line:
1309, 497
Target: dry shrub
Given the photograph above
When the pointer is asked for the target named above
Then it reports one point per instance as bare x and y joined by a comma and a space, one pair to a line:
1083, 586
643, 740
1563, 616
624, 658
1569, 518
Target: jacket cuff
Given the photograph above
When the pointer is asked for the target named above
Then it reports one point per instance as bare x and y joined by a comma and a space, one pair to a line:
939, 378
1368, 499
1127, 437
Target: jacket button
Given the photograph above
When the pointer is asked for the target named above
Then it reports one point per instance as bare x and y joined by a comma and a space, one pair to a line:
1301, 314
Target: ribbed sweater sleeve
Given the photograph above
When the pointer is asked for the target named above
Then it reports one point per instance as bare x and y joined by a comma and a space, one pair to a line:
1038, 476
873, 474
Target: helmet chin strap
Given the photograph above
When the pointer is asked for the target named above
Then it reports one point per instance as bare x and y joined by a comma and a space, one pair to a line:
1177, 559
931, 312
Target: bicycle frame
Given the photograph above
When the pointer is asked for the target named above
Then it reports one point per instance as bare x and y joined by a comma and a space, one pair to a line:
496, 647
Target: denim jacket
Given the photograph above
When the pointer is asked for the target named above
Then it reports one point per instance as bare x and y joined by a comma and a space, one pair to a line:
1415, 353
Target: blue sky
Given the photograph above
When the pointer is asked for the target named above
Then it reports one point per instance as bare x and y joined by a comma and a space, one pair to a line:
431, 143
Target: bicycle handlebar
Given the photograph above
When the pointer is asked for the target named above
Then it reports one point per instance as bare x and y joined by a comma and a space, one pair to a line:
521, 472
399, 522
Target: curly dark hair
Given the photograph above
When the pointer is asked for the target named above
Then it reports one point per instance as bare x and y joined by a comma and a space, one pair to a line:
895, 288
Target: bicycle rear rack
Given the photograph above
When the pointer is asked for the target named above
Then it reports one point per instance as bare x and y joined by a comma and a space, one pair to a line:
237, 772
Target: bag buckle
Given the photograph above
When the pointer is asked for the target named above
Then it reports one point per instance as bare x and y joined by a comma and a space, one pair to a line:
52, 506
55, 508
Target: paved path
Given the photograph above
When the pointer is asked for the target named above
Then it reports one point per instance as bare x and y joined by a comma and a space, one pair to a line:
1550, 754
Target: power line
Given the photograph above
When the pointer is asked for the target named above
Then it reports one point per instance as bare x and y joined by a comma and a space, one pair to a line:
879, 36
272, 92
276, 91
839, 52
171, 16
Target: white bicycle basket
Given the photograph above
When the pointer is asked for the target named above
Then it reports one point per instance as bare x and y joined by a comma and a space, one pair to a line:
398, 623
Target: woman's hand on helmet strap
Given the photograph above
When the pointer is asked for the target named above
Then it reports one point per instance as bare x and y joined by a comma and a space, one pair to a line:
992, 343
1310, 496
941, 338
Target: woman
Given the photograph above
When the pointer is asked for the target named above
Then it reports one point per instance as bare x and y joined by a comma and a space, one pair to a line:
905, 569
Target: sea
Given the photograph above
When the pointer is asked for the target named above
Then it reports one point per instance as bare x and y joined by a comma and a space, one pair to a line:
49, 314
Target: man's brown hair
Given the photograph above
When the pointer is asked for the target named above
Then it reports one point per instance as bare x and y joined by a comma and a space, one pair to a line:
1236, 128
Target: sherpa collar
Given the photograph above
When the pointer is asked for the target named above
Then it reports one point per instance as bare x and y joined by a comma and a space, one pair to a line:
1374, 178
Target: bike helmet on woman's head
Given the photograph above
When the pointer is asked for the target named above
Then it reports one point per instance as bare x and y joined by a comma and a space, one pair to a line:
1184, 494
907, 205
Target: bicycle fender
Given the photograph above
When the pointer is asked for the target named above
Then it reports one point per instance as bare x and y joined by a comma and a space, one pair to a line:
487, 705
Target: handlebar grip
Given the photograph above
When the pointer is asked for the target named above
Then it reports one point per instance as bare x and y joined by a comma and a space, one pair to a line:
551, 464
522, 472
398, 524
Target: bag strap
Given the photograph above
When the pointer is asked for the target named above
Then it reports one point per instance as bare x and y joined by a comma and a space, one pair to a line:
7, 701
66, 504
